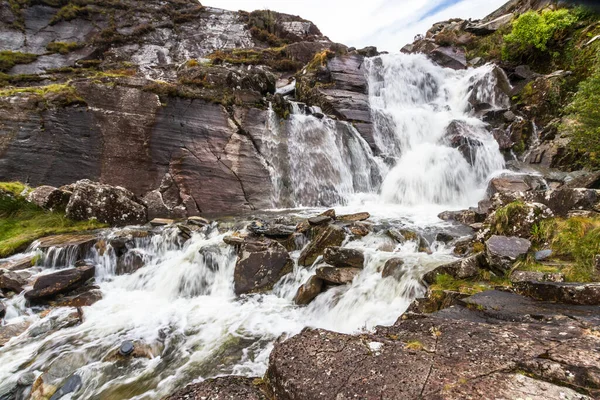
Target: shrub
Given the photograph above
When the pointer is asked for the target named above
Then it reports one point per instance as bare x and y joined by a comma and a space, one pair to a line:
532, 32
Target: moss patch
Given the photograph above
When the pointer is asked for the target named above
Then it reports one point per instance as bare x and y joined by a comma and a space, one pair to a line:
22, 222
59, 94
9, 59
63, 47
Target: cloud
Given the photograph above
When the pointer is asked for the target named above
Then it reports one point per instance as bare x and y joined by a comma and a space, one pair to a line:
387, 24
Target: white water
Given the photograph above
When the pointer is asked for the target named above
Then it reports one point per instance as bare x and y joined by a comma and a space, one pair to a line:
181, 305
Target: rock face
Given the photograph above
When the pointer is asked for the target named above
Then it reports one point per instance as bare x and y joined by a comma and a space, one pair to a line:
260, 265
108, 204
454, 354
59, 282
502, 252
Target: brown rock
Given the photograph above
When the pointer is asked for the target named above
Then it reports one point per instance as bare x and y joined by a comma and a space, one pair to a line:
12, 282
360, 229
10, 331
260, 265
130, 262
226, 388
363, 216
59, 282
320, 220
18, 265
337, 276
342, 257
308, 291
85, 299
394, 268
331, 235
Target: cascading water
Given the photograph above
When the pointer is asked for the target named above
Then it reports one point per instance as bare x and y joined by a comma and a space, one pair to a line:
180, 309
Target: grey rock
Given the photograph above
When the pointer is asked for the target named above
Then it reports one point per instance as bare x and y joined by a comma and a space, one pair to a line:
461, 269
502, 252
71, 385
543, 255
2, 310
126, 348
229, 387
449, 57
130, 262
50, 198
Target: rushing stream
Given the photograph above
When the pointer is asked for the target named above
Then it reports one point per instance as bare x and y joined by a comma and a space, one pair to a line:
180, 308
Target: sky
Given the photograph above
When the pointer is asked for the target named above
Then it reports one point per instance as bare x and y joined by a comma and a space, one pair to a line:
387, 24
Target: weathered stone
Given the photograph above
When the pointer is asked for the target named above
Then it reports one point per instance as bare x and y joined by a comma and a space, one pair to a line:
321, 220
2, 310
363, 216
337, 276
568, 293
308, 291
360, 229
12, 282
449, 57
271, 230
229, 387
328, 213
108, 204
394, 268
88, 296
50, 198
161, 222
195, 220
10, 331
488, 27
461, 269
259, 266
59, 282
331, 235
523, 218
67, 240
502, 252
466, 217
342, 257
18, 264
71, 385
535, 276
542, 255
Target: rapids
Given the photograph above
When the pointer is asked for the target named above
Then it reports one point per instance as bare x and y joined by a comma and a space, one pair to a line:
181, 307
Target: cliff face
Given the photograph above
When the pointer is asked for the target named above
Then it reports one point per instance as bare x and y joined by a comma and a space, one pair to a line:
134, 94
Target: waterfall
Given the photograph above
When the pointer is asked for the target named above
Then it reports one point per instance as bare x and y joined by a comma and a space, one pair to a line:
425, 130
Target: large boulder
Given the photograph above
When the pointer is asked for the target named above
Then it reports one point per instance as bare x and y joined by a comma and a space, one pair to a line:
260, 265
461, 269
59, 282
308, 291
112, 205
329, 236
50, 198
559, 292
12, 281
502, 252
344, 258
515, 184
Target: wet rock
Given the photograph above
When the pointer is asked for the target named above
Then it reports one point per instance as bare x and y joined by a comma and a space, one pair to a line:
2, 310
360, 229
198, 221
229, 387
59, 282
130, 262
515, 184
444, 237
363, 216
337, 276
83, 297
393, 267
328, 213
50, 198
71, 385
535, 276
55, 320
321, 220
308, 291
330, 236
75, 245
567, 293
112, 205
260, 265
502, 252
587, 181
17, 264
271, 230
449, 57
12, 282
466, 217
162, 222
461, 269
341, 257
10, 331
126, 348
294, 242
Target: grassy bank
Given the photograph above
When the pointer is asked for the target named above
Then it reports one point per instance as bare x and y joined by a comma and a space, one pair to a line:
22, 222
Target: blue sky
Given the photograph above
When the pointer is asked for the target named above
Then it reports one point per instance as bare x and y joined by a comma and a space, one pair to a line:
387, 24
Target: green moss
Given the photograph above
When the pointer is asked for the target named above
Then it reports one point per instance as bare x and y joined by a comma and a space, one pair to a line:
319, 60
9, 59
447, 282
63, 47
58, 94
69, 12
22, 222
414, 345
502, 221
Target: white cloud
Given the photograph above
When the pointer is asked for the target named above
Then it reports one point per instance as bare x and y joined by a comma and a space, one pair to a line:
387, 24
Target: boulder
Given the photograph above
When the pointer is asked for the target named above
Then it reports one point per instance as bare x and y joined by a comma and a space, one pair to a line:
520, 221
226, 388
515, 184
449, 57
337, 276
466, 217
329, 236
260, 265
112, 205
308, 291
50, 198
461, 269
12, 282
71, 385
536, 276
360, 229
59, 282
394, 267
83, 297
17, 264
320, 220
363, 216
341, 257
271, 230
503, 251
568, 293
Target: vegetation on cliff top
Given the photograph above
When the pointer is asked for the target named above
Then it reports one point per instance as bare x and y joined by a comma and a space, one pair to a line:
22, 222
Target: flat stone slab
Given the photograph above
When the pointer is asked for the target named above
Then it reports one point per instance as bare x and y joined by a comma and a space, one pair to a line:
559, 292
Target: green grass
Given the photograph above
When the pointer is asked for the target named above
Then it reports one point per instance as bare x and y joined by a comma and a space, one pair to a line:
58, 94
22, 222
9, 59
